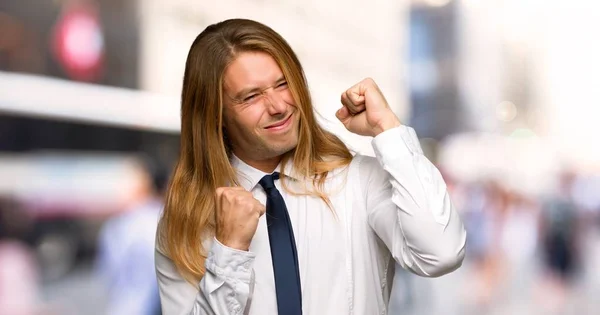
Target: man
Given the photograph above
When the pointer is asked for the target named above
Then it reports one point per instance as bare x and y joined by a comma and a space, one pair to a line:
334, 222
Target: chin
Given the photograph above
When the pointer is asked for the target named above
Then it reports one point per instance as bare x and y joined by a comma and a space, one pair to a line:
284, 149
278, 150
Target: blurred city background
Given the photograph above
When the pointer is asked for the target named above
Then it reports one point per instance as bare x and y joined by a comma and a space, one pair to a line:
504, 96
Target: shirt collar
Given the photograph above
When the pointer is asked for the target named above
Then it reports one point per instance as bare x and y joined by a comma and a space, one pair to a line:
249, 176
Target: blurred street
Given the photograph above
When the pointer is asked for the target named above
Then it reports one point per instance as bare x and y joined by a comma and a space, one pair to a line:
451, 295
80, 290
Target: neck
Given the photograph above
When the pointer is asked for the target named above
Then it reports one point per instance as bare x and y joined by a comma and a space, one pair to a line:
266, 165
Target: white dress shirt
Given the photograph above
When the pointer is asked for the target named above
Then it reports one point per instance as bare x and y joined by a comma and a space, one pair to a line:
394, 207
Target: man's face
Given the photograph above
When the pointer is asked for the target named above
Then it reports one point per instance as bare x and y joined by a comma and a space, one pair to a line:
260, 115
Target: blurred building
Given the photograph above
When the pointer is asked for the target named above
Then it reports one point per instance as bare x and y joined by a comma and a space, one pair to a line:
437, 107
91, 41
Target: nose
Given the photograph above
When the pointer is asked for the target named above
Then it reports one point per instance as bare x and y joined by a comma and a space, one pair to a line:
275, 103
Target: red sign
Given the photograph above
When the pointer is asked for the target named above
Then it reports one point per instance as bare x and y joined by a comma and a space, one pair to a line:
79, 43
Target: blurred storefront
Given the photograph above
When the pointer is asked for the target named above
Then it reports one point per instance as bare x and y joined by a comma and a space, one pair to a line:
82, 40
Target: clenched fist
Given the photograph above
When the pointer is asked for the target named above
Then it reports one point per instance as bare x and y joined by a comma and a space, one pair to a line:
365, 111
237, 216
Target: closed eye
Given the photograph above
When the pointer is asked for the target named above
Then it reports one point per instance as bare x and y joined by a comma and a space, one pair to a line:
250, 97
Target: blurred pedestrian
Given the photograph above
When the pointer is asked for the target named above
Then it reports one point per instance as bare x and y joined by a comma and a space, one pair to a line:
126, 247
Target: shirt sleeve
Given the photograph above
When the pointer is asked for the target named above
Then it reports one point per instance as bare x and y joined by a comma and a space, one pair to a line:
409, 206
224, 289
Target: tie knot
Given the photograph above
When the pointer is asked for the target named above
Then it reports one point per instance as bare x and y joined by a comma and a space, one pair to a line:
268, 181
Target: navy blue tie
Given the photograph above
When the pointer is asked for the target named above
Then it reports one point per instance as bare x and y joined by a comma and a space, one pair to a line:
283, 250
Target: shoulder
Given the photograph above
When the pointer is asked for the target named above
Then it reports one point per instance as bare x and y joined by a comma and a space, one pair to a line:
360, 165
161, 237
365, 164
367, 171
367, 160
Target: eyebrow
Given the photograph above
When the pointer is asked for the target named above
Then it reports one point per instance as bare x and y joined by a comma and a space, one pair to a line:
239, 95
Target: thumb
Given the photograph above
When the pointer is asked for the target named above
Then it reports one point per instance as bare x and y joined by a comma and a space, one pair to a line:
261, 209
343, 114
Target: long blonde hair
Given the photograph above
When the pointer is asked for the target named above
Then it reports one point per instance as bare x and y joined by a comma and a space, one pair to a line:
203, 164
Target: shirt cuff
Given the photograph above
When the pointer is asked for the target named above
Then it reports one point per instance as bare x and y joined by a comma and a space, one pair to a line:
396, 142
229, 262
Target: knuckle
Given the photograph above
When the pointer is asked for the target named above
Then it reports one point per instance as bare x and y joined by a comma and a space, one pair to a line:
232, 193
239, 198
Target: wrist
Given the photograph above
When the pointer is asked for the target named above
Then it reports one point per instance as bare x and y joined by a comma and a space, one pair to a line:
392, 122
233, 244
226, 262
